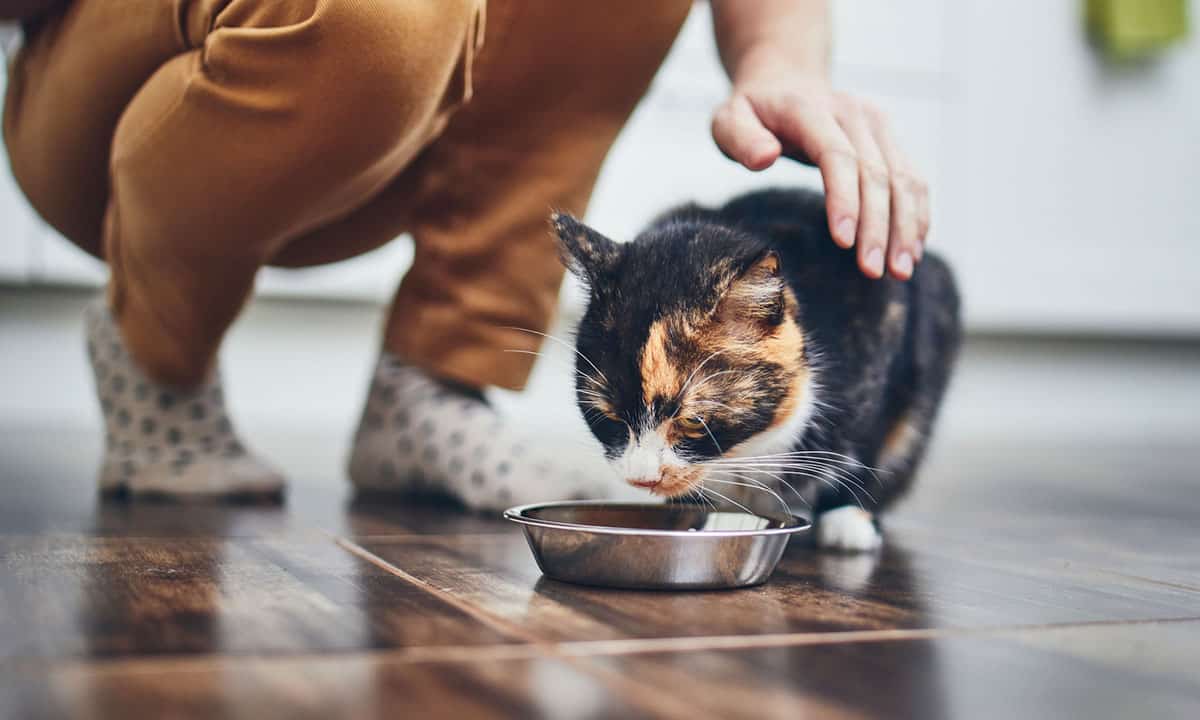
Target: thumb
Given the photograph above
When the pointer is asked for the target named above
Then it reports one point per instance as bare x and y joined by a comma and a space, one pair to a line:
741, 136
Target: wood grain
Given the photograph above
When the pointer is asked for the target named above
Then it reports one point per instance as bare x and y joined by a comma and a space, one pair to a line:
77, 596
905, 587
1017, 581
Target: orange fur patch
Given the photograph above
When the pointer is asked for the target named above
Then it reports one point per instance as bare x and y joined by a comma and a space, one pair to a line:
747, 343
900, 441
677, 481
660, 376
786, 349
736, 335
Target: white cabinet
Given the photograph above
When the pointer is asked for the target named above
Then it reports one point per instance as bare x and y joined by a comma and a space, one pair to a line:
1073, 186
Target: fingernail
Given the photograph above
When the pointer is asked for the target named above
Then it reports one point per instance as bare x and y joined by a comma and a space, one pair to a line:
844, 232
903, 265
875, 262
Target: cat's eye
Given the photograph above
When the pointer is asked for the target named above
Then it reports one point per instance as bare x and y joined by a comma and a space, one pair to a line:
692, 425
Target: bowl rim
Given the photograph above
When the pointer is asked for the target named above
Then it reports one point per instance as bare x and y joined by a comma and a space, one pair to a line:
518, 515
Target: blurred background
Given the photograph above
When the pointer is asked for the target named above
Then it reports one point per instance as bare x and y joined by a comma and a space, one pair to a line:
1066, 194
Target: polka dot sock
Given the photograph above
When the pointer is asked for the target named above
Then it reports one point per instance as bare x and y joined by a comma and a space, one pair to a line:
420, 434
162, 440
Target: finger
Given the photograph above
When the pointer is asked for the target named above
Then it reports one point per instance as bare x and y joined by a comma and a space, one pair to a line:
738, 132
923, 219
815, 132
904, 236
875, 189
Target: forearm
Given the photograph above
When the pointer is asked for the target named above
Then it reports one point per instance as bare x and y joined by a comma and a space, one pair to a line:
766, 37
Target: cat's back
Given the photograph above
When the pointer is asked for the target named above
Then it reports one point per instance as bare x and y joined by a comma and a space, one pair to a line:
793, 222
837, 296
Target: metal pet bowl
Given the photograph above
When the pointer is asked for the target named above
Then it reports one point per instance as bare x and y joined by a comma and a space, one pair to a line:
654, 547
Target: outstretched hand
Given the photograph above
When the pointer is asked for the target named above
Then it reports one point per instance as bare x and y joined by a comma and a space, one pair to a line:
874, 198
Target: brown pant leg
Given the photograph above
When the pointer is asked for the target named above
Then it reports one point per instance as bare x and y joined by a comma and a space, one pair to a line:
62, 105
264, 121
554, 84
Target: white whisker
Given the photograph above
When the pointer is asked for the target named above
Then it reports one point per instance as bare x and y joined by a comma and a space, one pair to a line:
726, 498
714, 402
696, 370
591, 378
715, 375
710, 435
777, 478
564, 343
841, 475
764, 488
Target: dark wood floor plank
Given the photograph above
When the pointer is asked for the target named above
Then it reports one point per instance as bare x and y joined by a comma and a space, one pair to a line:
80, 596
48, 478
117, 609
1132, 671
902, 588
352, 686
1099, 671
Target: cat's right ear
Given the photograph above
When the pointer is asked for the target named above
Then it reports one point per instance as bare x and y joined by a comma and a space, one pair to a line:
587, 254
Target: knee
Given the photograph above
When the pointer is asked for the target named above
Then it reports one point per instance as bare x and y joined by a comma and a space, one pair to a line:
379, 67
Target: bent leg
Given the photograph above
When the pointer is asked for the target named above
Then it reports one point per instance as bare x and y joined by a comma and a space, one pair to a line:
281, 119
66, 91
553, 89
240, 126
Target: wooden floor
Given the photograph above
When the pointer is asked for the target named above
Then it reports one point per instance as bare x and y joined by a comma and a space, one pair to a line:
1046, 565
1017, 582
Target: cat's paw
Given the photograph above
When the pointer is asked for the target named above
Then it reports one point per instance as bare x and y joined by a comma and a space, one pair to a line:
848, 528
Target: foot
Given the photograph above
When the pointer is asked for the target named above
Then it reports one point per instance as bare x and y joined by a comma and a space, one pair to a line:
849, 529
420, 434
166, 441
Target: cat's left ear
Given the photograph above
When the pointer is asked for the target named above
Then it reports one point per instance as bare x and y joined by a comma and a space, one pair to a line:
756, 294
586, 253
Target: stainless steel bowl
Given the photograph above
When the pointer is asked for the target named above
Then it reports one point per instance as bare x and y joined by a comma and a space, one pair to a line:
654, 547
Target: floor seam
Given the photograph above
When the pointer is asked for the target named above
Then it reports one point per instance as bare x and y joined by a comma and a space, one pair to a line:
511, 629
653, 697
572, 649
636, 646
1085, 565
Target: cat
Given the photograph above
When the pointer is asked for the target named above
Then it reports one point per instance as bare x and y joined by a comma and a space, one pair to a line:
739, 349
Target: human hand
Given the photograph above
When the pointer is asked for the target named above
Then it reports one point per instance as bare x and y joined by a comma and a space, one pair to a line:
874, 197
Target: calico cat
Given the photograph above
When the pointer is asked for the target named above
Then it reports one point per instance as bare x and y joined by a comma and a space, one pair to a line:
740, 349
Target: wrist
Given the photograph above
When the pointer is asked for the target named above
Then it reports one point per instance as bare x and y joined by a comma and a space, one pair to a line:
768, 63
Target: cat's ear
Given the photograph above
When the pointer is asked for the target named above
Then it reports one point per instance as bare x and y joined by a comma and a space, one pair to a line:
587, 254
755, 295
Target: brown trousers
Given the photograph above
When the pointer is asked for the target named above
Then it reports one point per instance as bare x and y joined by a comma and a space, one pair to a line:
191, 142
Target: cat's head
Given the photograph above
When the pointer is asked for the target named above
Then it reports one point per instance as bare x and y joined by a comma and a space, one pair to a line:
690, 350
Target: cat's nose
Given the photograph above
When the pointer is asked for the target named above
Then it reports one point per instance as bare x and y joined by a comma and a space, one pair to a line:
645, 483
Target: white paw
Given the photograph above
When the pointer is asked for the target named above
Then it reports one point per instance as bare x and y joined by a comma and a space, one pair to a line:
847, 528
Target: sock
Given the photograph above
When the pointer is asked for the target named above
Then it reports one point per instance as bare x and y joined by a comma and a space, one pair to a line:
421, 434
162, 440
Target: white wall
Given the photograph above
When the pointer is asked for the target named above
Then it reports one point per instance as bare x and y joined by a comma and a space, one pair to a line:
1065, 192
1077, 185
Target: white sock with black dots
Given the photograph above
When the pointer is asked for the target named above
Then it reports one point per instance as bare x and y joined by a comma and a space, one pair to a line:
162, 440
419, 434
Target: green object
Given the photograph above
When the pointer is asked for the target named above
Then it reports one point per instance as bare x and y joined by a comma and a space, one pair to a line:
1130, 29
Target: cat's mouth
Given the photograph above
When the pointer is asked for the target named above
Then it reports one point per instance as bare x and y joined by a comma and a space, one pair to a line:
671, 481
